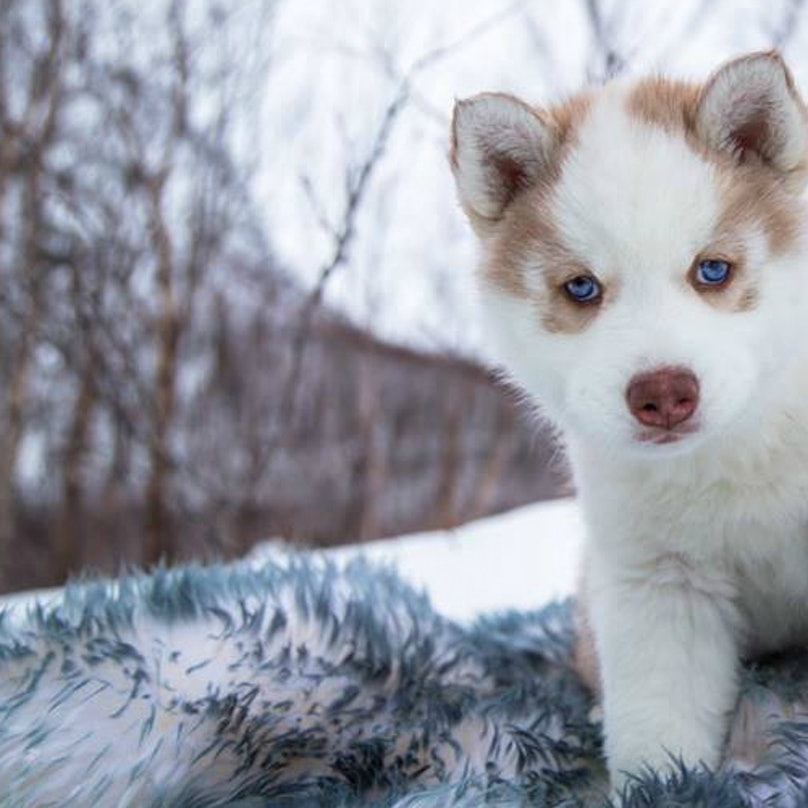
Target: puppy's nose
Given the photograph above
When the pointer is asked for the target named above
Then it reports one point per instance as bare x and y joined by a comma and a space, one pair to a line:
664, 397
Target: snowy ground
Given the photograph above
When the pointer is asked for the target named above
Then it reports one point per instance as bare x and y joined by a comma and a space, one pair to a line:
516, 560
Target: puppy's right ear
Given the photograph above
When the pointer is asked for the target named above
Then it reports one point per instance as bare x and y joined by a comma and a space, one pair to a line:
499, 147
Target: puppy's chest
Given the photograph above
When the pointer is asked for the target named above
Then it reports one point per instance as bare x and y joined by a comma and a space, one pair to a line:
748, 505
752, 534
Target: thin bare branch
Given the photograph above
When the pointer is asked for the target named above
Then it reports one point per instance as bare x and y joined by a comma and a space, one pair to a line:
787, 26
610, 61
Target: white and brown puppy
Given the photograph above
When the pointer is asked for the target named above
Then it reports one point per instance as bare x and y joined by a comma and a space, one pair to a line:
644, 275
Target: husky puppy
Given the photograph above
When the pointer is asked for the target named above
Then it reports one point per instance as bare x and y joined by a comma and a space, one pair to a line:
644, 277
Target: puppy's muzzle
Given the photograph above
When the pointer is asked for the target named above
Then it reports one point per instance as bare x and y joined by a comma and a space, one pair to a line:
663, 398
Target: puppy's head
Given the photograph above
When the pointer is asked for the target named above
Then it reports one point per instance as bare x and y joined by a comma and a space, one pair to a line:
642, 247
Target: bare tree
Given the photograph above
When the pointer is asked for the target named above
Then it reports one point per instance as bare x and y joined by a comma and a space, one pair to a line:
30, 119
168, 390
120, 199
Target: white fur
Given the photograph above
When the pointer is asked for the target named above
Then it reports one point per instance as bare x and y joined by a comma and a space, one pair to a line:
698, 551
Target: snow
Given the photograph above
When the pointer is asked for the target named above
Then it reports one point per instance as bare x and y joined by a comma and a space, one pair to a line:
516, 560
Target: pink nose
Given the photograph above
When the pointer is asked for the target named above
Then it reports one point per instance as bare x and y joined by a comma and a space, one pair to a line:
664, 397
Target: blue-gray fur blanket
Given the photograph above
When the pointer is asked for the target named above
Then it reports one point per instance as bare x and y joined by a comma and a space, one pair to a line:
297, 684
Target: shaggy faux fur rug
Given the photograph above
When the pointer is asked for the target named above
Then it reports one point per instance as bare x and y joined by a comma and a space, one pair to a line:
298, 684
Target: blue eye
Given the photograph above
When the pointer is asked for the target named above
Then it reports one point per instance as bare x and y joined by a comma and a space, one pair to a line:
712, 272
582, 289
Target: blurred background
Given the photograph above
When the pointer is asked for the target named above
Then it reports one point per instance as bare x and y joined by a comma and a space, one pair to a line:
235, 297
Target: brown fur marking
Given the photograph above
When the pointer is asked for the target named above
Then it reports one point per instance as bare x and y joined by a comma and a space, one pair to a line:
567, 116
748, 299
753, 197
527, 236
670, 105
508, 236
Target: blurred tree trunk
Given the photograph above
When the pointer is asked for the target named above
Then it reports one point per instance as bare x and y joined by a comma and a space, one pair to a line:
446, 512
7, 160
26, 142
493, 467
18, 383
372, 434
113, 502
68, 532
157, 540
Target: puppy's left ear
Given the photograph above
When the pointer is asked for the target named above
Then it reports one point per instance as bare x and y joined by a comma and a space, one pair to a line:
751, 109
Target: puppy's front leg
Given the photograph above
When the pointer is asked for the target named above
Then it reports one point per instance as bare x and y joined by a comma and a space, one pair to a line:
668, 651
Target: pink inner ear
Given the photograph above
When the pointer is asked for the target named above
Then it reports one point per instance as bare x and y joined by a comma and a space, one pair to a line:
509, 174
752, 136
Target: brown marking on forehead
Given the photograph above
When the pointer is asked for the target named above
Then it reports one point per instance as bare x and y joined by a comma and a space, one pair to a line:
673, 106
668, 104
